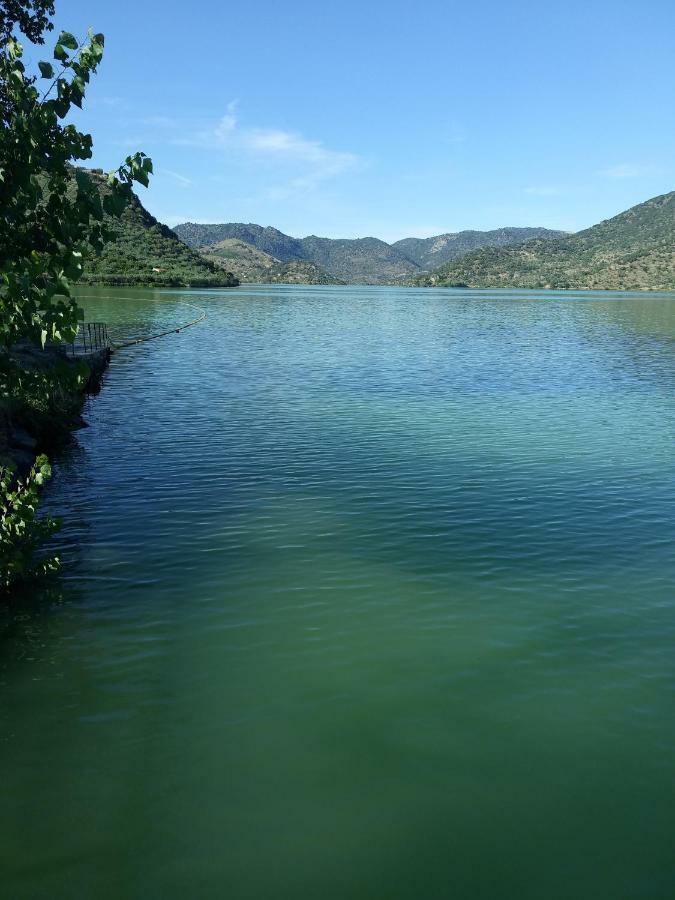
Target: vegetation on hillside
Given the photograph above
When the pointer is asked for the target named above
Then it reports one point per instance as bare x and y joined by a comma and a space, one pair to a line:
270, 240
430, 253
363, 260
248, 263
632, 251
143, 251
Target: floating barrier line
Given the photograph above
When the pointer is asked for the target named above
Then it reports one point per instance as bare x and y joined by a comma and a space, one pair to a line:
152, 337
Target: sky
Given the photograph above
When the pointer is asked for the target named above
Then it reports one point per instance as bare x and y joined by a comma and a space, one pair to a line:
388, 119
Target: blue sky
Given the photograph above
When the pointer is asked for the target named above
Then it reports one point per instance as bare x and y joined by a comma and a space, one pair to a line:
388, 119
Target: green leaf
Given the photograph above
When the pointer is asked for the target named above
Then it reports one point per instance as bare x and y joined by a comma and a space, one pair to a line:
68, 40
60, 53
141, 176
46, 69
14, 49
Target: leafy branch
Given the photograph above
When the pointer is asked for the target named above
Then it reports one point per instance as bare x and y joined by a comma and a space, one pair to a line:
21, 532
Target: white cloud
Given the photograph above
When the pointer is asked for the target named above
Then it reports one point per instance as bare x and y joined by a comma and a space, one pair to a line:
316, 162
228, 123
627, 170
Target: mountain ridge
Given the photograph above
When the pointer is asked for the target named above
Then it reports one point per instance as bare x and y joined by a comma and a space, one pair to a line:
633, 250
366, 260
432, 252
250, 264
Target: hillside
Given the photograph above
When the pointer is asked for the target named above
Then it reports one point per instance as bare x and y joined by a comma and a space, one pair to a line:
362, 260
147, 252
248, 263
632, 251
365, 260
430, 253
277, 244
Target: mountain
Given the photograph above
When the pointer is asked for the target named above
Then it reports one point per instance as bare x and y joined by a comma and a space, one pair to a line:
364, 260
632, 251
430, 253
147, 252
248, 263
269, 240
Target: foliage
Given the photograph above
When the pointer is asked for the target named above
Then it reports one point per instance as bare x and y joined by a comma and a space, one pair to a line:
250, 264
632, 251
45, 229
51, 219
42, 396
317, 260
21, 532
29, 16
365, 260
432, 252
146, 252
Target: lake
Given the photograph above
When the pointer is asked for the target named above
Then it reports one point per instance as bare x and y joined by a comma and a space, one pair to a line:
367, 593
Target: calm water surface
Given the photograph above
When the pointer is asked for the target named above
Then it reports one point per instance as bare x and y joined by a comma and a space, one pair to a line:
368, 593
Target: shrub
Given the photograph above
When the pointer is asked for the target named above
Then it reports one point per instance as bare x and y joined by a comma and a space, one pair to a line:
21, 532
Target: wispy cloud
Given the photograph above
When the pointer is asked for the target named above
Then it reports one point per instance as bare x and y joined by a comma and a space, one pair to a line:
181, 179
627, 170
289, 149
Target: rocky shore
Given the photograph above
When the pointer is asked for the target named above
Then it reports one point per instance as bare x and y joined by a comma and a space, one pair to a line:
30, 425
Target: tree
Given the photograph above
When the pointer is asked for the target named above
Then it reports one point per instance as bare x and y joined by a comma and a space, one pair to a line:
51, 214
51, 219
31, 17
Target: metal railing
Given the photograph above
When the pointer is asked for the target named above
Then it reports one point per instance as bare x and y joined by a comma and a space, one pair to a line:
92, 337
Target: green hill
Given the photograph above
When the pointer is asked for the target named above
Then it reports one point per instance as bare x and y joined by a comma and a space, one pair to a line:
430, 253
269, 240
147, 252
632, 251
363, 260
248, 263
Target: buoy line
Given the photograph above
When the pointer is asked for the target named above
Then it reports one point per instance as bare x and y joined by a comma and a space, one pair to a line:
175, 330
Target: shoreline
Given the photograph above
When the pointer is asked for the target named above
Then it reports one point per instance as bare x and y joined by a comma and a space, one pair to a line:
26, 431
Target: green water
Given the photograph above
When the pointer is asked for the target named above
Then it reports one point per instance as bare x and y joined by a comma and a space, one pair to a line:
368, 593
